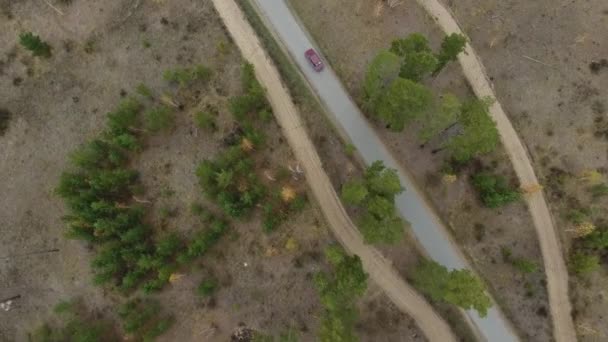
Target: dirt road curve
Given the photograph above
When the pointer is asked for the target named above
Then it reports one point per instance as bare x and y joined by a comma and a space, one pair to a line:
379, 269
555, 267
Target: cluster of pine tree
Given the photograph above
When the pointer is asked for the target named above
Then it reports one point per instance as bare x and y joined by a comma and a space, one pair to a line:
100, 195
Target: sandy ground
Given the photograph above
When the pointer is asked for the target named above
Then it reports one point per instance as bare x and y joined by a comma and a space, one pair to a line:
379, 268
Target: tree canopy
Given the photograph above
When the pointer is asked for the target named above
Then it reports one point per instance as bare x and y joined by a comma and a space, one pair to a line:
381, 72
403, 102
451, 46
439, 119
34, 44
338, 292
418, 59
493, 190
479, 133
375, 193
458, 287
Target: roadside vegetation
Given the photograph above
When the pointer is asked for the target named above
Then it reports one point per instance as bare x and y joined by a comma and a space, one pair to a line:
374, 194
339, 291
394, 95
458, 287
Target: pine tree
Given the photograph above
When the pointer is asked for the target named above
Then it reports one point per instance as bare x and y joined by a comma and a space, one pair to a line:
33, 43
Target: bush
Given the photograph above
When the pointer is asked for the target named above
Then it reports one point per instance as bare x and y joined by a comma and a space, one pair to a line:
187, 76
75, 323
205, 120
493, 190
34, 44
144, 319
144, 91
253, 102
158, 119
207, 288
525, 266
582, 263
599, 190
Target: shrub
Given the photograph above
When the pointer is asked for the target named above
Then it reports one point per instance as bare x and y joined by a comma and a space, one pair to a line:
253, 101
144, 319
144, 91
599, 190
186, 76
524, 265
207, 288
74, 323
582, 263
228, 180
34, 44
158, 119
5, 118
493, 190
205, 120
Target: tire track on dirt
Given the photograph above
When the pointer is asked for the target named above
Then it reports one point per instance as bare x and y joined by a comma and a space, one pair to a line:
379, 268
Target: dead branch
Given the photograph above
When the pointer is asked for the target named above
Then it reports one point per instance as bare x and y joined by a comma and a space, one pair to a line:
53, 7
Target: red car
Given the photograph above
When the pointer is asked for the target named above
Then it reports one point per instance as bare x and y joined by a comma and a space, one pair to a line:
314, 59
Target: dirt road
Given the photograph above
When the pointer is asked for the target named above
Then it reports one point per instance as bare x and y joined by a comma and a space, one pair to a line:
379, 269
555, 267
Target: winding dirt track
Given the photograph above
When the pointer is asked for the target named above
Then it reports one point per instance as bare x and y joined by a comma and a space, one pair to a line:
555, 267
379, 268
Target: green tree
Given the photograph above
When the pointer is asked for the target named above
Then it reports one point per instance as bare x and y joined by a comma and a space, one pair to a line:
458, 287
438, 120
467, 291
354, 192
382, 181
403, 102
381, 73
418, 59
451, 46
375, 193
338, 291
388, 229
493, 190
479, 134
33, 43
